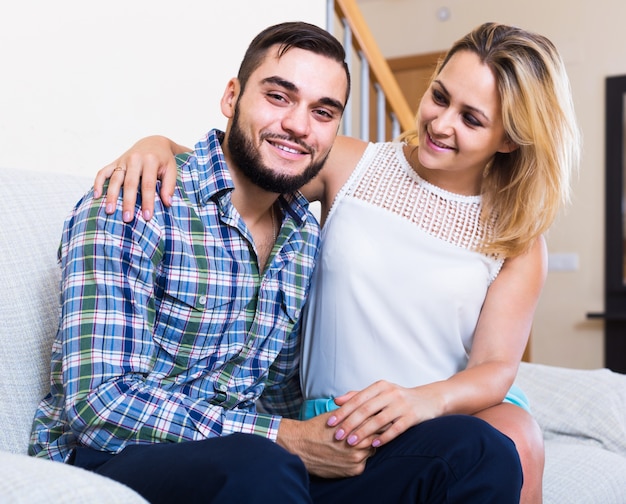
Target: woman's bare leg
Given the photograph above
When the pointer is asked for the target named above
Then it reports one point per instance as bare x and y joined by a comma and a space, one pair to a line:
523, 429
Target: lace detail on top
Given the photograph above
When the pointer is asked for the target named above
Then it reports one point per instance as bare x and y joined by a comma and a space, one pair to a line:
389, 182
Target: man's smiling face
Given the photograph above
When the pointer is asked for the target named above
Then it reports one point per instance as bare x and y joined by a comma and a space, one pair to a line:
283, 124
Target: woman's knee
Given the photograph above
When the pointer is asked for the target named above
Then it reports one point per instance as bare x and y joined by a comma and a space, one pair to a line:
522, 428
524, 431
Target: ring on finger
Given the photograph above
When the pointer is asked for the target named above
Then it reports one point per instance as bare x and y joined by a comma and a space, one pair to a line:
119, 168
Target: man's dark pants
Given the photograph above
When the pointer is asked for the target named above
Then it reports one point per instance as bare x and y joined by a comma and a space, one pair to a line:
452, 459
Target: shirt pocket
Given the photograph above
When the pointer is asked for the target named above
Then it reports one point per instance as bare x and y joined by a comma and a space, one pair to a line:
292, 304
196, 310
291, 296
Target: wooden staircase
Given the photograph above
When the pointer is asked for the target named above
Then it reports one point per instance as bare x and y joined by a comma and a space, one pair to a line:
390, 113
385, 94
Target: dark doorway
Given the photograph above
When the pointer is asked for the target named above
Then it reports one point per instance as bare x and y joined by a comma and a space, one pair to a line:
615, 227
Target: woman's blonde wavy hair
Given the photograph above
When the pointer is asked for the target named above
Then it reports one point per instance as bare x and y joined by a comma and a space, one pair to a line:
523, 190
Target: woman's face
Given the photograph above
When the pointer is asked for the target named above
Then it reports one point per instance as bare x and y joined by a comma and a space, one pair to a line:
460, 125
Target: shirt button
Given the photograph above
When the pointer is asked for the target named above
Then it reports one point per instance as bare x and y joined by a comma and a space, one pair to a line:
202, 300
221, 387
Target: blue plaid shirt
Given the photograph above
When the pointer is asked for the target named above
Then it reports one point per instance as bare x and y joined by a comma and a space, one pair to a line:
169, 332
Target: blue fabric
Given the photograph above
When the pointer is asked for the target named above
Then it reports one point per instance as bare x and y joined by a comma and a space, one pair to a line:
313, 407
517, 397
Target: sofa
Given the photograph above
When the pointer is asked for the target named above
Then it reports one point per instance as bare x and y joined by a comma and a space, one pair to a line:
582, 412
34, 206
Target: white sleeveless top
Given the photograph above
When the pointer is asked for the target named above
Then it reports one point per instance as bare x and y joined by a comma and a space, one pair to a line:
398, 286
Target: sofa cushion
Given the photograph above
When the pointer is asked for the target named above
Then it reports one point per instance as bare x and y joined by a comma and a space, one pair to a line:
581, 473
33, 207
578, 405
583, 417
29, 480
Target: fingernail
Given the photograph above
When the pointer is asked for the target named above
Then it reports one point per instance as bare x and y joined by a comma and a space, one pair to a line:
109, 208
331, 421
352, 440
339, 434
376, 443
170, 200
126, 216
146, 215
96, 194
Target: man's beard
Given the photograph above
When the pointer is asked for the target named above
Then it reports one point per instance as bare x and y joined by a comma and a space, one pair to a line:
248, 160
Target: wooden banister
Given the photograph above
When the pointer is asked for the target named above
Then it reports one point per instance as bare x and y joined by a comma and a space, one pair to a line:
364, 42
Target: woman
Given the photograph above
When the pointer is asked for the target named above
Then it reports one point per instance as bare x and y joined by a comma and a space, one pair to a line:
433, 256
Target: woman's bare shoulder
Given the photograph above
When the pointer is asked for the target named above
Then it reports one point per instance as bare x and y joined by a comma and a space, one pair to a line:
341, 162
347, 150
344, 156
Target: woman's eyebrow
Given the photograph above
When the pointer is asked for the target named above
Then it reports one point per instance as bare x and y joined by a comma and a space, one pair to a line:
469, 107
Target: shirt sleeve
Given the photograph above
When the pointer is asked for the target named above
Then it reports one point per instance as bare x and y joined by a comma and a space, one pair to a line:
112, 396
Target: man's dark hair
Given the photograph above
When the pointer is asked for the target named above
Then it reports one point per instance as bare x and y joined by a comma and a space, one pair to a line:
289, 35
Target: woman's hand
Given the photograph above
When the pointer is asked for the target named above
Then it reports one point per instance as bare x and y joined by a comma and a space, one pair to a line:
382, 411
322, 454
151, 158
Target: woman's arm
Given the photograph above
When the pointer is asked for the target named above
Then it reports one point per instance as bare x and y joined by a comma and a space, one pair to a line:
500, 338
151, 158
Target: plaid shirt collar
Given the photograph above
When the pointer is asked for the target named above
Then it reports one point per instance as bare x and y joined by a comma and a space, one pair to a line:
215, 182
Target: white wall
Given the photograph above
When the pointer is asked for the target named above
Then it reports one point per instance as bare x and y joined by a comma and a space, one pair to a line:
591, 38
81, 80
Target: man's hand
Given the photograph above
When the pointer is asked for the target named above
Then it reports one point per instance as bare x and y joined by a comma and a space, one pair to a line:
323, 455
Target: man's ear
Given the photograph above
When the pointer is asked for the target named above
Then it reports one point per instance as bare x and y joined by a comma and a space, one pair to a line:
507, 146
230, 97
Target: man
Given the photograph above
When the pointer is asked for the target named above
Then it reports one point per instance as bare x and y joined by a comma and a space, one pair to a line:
172, 328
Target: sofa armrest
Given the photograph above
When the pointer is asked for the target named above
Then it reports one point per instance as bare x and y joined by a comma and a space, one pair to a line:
27, 480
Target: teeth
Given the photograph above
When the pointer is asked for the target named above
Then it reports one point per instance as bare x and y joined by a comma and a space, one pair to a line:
443, 146
287, 149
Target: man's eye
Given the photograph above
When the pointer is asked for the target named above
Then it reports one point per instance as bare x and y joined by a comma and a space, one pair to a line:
276, 97
324, 114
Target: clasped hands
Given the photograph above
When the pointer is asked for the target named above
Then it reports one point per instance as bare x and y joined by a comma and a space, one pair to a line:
339, 443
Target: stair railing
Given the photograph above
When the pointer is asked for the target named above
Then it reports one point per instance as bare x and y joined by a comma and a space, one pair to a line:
392, 113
